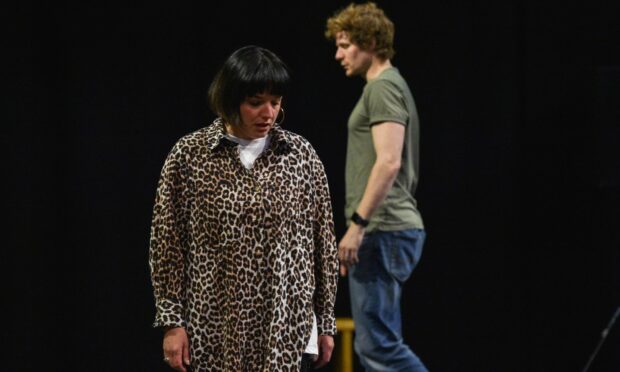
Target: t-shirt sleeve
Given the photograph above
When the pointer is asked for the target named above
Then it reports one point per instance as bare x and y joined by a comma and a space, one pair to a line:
385, 102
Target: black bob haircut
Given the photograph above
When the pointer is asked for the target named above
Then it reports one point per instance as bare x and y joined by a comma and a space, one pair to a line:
250, 70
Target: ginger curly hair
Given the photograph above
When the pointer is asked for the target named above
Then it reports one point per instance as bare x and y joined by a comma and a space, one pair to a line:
364, 23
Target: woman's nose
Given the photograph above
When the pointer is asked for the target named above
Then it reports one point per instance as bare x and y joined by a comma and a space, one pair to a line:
268, 111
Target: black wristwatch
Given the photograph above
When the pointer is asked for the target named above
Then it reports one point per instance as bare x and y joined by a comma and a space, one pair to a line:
358, 220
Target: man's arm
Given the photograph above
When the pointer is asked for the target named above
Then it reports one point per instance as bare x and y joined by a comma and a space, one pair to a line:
388, 138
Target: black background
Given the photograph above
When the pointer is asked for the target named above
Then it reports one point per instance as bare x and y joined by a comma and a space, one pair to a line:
520, 165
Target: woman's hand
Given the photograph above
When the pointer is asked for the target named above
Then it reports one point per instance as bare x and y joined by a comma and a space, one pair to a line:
176, 348
326, 346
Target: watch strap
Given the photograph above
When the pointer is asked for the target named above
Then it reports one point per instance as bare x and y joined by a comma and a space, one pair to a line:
359, 220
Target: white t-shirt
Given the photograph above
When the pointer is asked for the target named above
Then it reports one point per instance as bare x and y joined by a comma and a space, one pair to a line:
249, 150
313, 345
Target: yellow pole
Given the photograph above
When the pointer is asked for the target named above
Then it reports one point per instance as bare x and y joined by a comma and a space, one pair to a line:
345, 327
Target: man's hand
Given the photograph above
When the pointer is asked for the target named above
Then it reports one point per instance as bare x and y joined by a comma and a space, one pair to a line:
176, 348
326, 346
348, 247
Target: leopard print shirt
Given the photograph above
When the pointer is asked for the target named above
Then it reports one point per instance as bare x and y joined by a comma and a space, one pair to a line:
241, 258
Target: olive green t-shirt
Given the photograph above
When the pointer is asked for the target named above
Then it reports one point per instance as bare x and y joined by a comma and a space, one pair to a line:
385, 98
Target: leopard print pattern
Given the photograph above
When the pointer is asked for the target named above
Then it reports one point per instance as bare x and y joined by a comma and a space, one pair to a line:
242, 258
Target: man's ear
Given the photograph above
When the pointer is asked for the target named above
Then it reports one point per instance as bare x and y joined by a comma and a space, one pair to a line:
373, 44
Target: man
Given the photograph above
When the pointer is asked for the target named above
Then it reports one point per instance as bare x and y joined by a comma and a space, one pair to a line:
384, 240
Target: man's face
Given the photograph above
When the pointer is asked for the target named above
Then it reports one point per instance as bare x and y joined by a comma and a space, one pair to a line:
354, 60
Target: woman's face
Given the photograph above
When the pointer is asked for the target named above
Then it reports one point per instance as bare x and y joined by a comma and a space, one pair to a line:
258, 114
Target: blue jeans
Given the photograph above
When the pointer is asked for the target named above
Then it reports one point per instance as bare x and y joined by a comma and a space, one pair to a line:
386, 260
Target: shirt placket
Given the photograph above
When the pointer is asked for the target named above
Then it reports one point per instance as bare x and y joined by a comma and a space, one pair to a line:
254, 189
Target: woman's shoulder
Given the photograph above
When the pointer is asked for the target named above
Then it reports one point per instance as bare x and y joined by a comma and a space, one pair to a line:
195, 137
300, 146
290, 136
295, 140
200, 138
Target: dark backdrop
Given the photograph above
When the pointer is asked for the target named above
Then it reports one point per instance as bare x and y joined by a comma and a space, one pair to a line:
519, 170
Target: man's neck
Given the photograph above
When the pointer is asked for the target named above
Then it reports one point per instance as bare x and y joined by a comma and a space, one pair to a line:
377, 67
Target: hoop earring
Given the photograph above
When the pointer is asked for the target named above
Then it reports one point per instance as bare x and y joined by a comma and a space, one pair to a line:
276, 122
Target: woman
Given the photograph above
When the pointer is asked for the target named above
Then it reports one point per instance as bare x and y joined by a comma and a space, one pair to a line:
243, 255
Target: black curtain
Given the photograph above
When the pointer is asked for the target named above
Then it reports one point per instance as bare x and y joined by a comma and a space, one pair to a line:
519, 169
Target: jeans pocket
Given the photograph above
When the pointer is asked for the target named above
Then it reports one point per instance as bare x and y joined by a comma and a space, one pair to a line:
369, 254
403, 253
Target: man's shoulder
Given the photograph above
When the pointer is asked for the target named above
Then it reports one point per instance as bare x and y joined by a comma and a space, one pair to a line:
389, 77
389, 82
